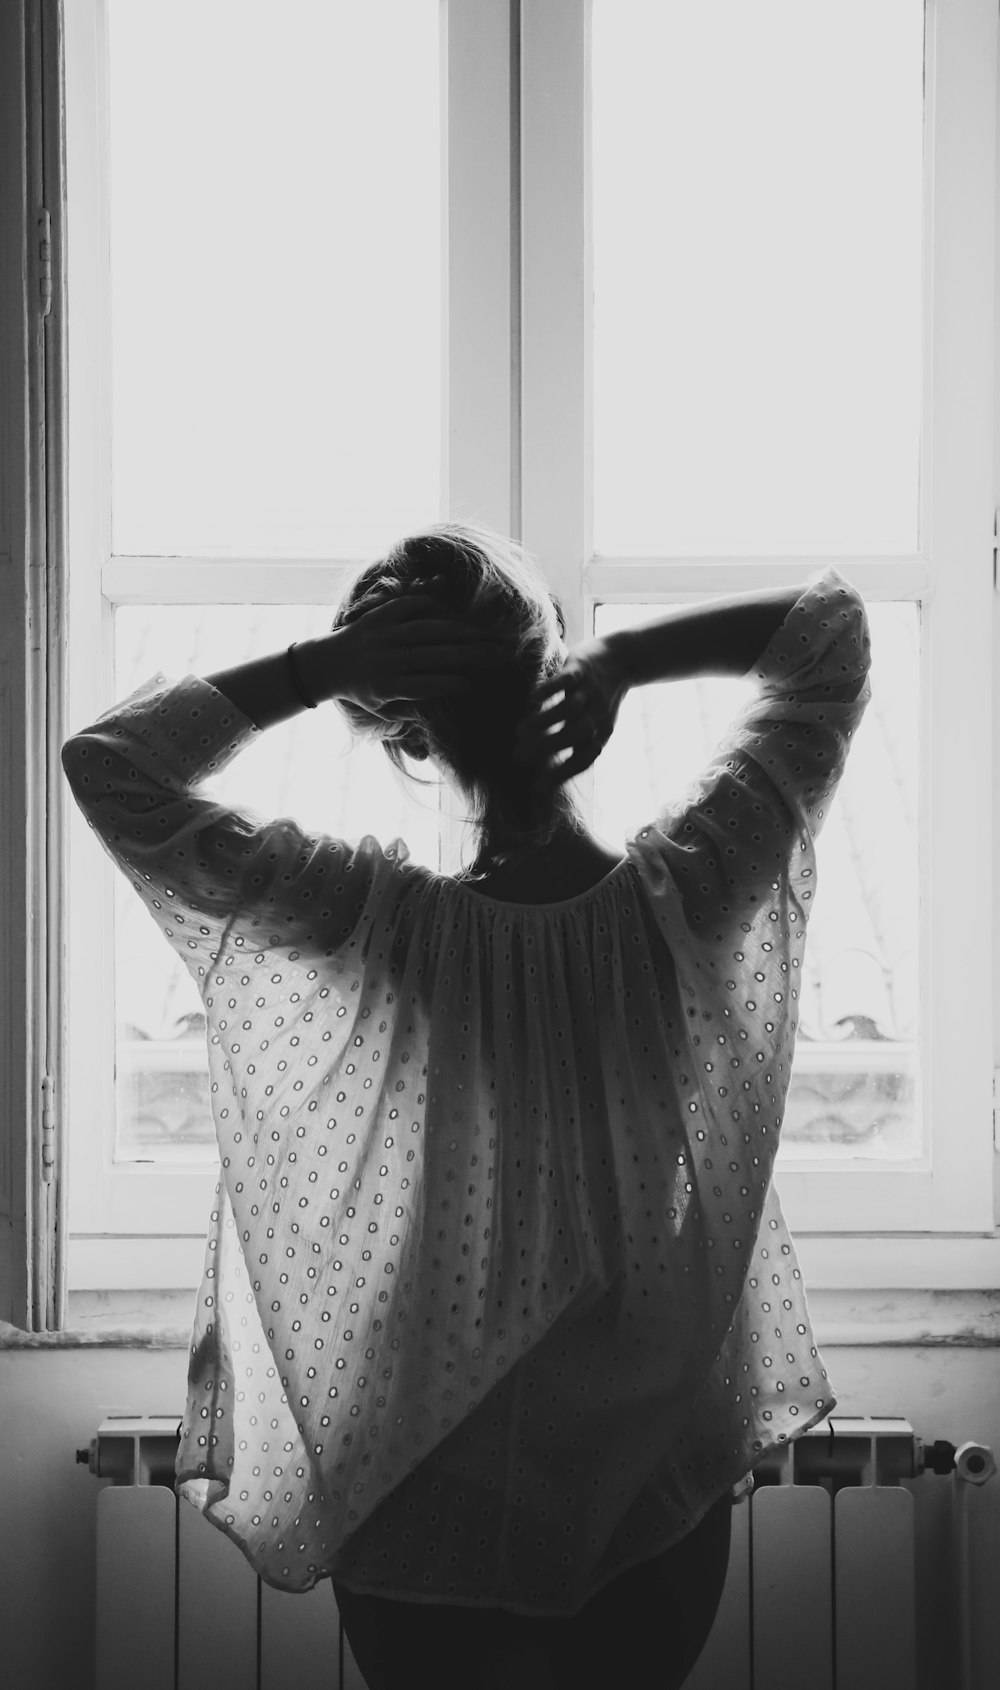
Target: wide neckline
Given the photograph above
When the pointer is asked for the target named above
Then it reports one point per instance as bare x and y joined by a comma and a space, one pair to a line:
515, 904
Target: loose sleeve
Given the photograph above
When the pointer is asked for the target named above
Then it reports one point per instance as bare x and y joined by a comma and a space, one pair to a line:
741, 840
206, 872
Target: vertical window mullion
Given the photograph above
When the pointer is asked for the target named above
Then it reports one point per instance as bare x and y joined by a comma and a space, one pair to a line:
556, 308
556, 330
481, 399
480, 289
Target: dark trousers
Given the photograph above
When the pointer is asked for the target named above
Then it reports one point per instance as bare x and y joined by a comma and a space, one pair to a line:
646, 1628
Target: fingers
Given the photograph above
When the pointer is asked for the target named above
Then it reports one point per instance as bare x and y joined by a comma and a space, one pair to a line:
427, 643
573, 766
450, 628
470, 654
436, 686
553, 729
582, 745
561, 692
541, 715
560, 768
405, 607
554, 684
557, 774
541, 747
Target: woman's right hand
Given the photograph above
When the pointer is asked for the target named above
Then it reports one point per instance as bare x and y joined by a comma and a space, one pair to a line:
574, 711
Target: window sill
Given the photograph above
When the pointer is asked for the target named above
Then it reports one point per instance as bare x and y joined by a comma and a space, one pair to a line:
122, 1320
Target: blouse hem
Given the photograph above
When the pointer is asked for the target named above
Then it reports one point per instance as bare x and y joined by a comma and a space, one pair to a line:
359, 1587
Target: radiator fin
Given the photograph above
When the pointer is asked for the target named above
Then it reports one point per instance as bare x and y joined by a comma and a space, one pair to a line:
217, 1607
792, 1605
876, 1588
134, 1618
789, 1595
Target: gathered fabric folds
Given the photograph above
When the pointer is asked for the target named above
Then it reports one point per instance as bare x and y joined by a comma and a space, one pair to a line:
498, 1297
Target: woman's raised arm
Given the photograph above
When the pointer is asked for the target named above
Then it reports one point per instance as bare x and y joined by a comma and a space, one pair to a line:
722, 637
575, 710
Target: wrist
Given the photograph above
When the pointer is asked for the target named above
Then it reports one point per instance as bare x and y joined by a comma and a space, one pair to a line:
319, 667
621, 655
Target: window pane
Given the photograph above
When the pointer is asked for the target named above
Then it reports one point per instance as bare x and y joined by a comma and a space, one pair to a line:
311, 768
275, 274
853, 1091
757, 215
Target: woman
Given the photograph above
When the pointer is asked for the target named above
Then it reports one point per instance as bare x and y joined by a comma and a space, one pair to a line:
499, 1304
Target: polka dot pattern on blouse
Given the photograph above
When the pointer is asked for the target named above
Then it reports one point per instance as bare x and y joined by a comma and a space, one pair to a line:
498, 1297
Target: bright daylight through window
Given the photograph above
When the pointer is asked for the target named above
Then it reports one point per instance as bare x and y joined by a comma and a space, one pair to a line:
757, 277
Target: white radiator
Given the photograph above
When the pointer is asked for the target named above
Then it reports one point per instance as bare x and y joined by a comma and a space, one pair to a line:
820, 1590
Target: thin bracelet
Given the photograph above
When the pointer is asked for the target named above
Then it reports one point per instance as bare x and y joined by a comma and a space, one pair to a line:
310, 703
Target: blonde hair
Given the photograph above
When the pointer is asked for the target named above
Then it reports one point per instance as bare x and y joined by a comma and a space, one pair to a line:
494, 584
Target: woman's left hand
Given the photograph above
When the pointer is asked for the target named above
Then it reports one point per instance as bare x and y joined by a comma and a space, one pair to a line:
409, 648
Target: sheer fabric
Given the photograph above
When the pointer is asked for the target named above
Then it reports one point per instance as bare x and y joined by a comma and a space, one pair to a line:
498, 1296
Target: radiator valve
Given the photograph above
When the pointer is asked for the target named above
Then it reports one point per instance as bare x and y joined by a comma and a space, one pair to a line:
974, 1463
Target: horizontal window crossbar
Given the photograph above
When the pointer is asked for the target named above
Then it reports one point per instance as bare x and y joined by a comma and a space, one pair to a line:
276, 580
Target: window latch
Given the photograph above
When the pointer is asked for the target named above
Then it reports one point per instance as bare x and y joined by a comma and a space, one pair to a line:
44, 262
48, 1128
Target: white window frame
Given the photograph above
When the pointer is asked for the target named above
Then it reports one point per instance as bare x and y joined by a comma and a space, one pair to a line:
518, 455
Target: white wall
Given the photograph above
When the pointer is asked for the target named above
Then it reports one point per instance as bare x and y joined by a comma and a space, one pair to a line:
52, 1400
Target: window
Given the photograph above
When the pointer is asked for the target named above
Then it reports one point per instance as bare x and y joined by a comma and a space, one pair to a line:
689, 298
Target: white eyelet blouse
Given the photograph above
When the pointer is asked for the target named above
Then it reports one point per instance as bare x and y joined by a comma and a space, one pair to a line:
498, 1298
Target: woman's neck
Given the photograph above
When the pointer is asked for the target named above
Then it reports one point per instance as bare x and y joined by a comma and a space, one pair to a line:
501, 852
